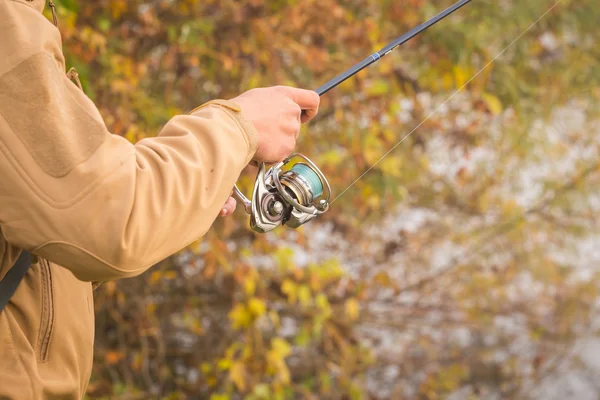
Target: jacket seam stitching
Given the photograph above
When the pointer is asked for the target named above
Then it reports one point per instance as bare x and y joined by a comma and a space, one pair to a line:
45, 337
129, 272
43, 307
107, 264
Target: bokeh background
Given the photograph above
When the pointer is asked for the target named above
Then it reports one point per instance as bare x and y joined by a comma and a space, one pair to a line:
464, 265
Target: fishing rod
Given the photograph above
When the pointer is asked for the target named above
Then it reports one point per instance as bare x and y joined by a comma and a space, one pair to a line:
373, 58
294, 191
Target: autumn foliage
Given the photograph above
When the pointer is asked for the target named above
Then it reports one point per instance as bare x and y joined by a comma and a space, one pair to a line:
454, 265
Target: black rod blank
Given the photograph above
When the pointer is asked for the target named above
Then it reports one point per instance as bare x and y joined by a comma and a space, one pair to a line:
387, 49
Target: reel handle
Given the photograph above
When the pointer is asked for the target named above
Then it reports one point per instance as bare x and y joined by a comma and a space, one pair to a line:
237, 194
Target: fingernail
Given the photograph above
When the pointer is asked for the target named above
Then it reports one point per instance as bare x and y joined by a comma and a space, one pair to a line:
224, 211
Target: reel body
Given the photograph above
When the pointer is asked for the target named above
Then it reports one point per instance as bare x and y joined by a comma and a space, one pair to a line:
292, 192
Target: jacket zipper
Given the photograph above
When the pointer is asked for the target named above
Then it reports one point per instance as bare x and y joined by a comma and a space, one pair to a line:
47, 320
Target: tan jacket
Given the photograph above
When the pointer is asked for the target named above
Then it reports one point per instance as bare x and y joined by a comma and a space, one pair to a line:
89, 204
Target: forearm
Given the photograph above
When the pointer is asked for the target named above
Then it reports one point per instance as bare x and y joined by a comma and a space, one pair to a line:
127, 206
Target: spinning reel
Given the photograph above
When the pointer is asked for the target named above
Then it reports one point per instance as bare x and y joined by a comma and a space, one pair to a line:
292, 193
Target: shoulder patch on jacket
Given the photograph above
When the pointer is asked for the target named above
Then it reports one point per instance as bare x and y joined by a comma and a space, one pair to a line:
40, 105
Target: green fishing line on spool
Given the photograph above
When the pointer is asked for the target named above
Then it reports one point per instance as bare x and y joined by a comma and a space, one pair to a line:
311, 177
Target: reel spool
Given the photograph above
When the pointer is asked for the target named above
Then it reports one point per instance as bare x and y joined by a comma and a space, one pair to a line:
292, 192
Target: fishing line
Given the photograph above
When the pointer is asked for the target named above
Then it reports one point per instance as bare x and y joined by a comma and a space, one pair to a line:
450, 98
294, 191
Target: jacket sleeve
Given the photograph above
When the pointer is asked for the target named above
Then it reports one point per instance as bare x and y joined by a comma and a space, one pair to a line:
73, 193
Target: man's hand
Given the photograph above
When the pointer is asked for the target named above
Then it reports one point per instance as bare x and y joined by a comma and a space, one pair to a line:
276, 113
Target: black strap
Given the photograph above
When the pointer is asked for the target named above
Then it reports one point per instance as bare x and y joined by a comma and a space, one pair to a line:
10, 282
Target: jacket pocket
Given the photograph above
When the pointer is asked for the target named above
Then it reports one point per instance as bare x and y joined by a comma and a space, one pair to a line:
47, 318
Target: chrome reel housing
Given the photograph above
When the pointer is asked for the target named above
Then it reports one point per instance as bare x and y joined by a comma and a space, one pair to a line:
292, 193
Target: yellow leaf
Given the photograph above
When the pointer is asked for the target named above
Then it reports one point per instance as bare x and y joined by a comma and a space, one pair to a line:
379, 87
131, 134
493, 103
110, 287
367, 192
281, 348
237, 374
483, 202
196, 327
155, 276
283, 374
510, 207
383, 279
205, 368
288, 287
322, 301
391, 166
315, 282
261, 391
447, 81
170, 275
332, 157
247, 353
224, 364
196, 246
233, 349
240, 317
250, 286
284, 258
256, 306
304, 295
302, 338
352, 308
372, 149
460, 76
